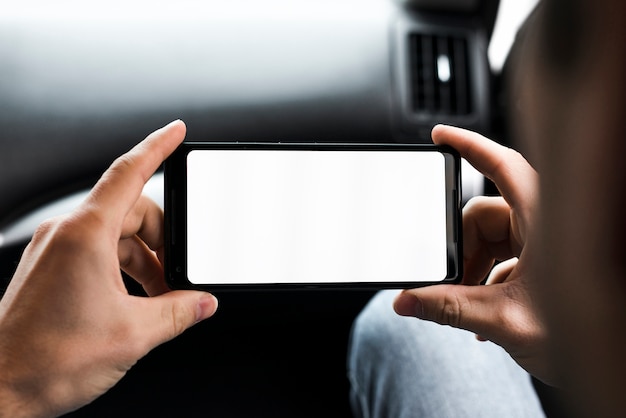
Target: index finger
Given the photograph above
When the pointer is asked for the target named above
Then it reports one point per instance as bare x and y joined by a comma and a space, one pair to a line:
120, 186
507, 168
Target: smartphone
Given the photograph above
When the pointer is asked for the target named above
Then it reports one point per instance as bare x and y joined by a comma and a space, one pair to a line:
316, 215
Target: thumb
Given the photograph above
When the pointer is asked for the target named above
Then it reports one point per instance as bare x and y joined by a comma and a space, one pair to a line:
170, 314
473, 308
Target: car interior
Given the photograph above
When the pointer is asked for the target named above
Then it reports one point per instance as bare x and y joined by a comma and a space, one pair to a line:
80, 85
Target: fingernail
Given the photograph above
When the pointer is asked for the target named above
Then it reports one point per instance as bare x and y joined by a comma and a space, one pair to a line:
207, 305
173, 123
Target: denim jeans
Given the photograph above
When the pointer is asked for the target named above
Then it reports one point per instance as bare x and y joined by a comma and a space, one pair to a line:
405, 367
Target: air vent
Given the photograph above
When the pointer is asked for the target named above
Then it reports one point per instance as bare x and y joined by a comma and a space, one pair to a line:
440, 79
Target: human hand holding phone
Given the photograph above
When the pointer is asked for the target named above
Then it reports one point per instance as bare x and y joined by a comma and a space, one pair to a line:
69, 329
494, 229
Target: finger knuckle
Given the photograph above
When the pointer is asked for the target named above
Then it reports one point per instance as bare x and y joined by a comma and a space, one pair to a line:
519, 315
122, 163
63, 232
44, 229
515, 155
451, 310
177, 314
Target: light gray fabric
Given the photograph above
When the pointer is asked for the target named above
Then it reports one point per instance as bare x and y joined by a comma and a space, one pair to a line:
404, 367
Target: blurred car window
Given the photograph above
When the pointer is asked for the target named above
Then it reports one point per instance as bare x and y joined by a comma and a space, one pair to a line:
511, 15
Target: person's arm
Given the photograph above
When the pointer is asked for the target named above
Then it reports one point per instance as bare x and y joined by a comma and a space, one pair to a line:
494, 228
69, 330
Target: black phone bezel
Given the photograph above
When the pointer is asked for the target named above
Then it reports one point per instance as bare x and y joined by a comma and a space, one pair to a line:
175, 197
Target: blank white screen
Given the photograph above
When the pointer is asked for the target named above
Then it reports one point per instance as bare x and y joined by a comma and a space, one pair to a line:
283, 216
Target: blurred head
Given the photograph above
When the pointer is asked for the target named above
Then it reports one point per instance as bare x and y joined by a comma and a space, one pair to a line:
571, 88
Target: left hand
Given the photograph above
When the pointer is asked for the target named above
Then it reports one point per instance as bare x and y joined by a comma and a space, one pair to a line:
494, 228
69, 329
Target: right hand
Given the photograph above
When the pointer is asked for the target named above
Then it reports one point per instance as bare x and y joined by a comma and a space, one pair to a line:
494, 228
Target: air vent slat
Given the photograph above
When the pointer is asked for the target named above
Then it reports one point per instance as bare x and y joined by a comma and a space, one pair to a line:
443, 84
439, 75
462, 79
428, 72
